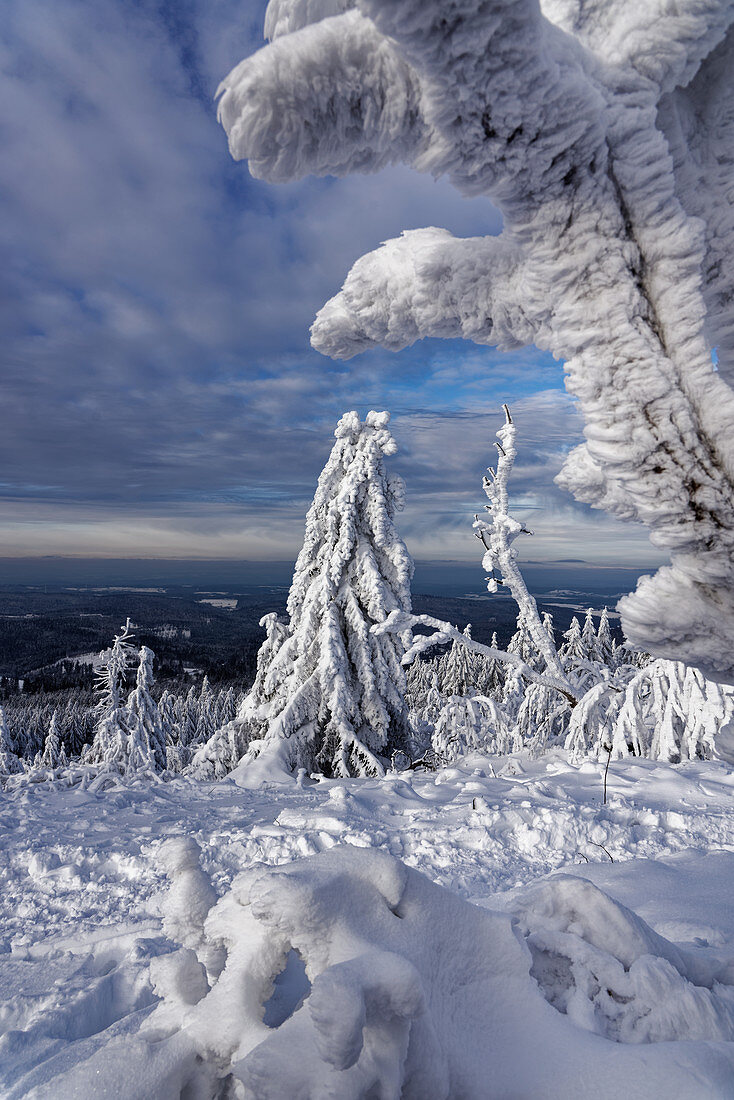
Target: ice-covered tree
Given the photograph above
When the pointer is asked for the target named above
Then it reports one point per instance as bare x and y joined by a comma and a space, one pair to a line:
603, 133
465, 724
110, 745
226, 747
578, 654
9, 762
53, 755
490, 672
332, 694
521, 643
588, 635
455, 676
498, 531
669, 711
605, 647
146, 737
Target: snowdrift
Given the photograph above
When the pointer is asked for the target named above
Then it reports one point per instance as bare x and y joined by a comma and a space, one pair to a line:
348, 974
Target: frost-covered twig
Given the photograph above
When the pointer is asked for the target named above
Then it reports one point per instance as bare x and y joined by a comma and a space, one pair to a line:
497, 534
399, 621
606, 772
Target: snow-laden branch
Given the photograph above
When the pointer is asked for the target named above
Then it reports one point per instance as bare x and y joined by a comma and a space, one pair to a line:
497, 534
322, 100
664, 43
427, 283
399, 621
286, 16
603, 131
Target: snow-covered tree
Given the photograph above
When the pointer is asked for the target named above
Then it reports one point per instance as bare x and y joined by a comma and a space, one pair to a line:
534, 636
490, 673
603, 133
579, 652
605, 647
455, 674
53, 755
9, 762
497, 532
588, 637
521, 643
146, 737
110, 745
465, 724
226, 747
664, 711
226, 708
206, 707
332, 693
669, 711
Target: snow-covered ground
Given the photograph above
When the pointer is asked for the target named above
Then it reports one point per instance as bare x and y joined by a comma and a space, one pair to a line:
84, 877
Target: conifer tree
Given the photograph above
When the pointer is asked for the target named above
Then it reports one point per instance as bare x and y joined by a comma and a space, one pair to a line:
588, 635
224, 750
147, 742
110, 745
332, 696
455, 677
51, 756
493, 680
9, 762
605, 647
206, 722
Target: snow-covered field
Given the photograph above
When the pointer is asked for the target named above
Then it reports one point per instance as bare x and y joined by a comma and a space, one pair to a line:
84, 879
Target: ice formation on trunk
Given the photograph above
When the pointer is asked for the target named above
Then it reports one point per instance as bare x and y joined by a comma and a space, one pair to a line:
330, 693
604, 135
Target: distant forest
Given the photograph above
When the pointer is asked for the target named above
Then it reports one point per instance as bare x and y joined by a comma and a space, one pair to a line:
43, 633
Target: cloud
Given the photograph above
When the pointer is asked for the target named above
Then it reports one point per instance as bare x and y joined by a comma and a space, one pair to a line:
159, 394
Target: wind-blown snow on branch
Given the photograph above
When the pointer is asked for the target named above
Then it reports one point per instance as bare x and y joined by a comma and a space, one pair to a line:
497, 534
427, 283
399, 622
603, 132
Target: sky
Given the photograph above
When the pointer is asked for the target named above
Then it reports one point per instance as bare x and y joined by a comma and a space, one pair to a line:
159, 394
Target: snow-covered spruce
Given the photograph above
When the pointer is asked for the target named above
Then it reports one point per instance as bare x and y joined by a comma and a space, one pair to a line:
666, 711
129, 736
603, 133
330, 694
110, 745
226, 747
53, 755
147, 739
9, 762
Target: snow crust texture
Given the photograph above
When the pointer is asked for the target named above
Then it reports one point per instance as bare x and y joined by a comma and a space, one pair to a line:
604, 134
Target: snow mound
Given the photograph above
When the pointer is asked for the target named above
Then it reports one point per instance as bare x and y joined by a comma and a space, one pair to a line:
604, 967
349, 974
